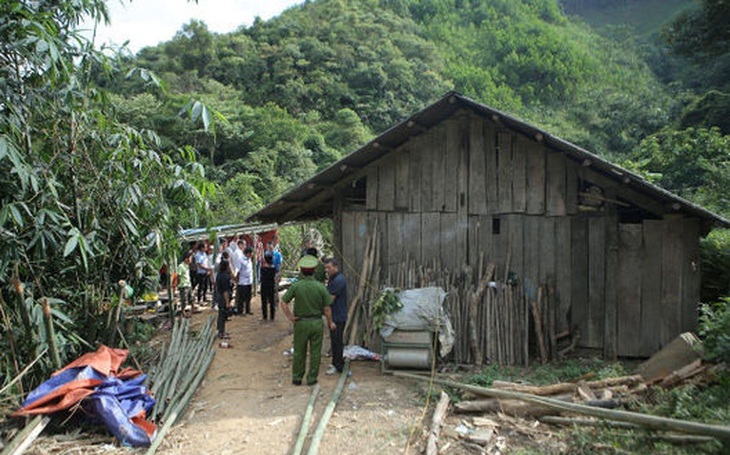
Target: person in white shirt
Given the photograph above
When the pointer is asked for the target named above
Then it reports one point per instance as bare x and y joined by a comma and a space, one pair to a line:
245, 283
237, 255
202, 273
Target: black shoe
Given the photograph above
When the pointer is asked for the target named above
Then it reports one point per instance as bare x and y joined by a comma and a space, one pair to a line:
297, 382
312, 383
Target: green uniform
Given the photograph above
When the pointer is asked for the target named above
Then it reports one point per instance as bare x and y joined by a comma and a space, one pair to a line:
320, 274
310, 298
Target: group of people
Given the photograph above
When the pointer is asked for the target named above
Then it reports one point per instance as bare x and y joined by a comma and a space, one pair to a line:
320, 290
229, 275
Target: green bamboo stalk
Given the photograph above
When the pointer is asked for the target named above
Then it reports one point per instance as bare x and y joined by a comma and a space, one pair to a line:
51, 333
22, 373
306, 421
324, 420
180, 406
26, 436
206, 346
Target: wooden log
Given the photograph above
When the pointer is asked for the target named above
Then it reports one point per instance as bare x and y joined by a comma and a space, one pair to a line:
514, 408
654, 422
567, 387
306, 421
436, 422
684, 373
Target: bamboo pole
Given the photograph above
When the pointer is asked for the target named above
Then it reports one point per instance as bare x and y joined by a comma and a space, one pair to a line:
438, 417
23, 373
51, 333
180, 406
26, 436
669, 437
306, 421
655, 422
324, 420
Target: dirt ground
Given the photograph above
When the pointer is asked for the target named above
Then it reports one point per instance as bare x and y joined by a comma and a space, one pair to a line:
248, 404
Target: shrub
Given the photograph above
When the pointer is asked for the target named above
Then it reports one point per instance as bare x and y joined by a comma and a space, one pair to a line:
715, 330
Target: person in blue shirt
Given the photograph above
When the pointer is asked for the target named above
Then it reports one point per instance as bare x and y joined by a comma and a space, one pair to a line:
278, 259
337, 287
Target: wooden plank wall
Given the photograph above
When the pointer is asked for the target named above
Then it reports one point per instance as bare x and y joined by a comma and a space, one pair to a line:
468, 187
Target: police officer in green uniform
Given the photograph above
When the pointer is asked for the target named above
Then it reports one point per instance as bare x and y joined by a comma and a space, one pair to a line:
311, 300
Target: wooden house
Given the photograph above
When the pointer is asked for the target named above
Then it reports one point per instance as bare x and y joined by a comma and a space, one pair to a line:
460, 181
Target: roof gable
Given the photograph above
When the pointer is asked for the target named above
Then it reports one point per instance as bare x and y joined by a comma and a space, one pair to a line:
314, 198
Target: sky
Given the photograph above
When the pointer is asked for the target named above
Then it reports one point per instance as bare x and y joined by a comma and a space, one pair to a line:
149, 22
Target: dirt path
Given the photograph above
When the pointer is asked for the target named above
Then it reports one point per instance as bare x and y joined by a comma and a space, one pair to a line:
247, 403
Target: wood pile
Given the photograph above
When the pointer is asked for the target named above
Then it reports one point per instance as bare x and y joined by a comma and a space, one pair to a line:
495, 319
581, 402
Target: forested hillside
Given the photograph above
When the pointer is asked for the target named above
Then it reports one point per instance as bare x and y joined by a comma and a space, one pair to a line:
298, 91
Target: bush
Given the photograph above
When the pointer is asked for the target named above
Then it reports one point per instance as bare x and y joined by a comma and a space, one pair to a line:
715, 250
715, 330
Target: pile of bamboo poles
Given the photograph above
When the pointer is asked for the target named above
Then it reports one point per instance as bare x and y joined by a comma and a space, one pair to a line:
359, 327
181, 368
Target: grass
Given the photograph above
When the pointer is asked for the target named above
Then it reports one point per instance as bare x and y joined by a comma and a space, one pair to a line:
564, 371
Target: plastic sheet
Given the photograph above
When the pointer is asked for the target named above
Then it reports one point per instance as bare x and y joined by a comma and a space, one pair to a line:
116, 398
423, 309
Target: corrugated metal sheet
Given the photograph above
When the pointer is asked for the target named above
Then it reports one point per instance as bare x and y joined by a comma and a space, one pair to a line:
313, 198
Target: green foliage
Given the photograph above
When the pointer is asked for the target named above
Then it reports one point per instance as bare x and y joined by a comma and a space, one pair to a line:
693, 163
715, 330
86, 200
715, 265
386, 304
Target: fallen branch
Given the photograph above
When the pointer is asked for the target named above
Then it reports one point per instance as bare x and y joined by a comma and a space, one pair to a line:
649, 421
306, 421
438, 418
324, 420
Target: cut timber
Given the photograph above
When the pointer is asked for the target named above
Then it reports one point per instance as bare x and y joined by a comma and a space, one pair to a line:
649, 421
513, 408
438, 418
672, 357
684, 373
566, 387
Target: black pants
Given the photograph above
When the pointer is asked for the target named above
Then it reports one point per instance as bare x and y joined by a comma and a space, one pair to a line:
223, 313
243, 299
203, 281
338, 345
268, 302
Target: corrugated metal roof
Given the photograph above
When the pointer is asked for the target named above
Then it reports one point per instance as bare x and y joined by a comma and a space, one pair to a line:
313, 198
204, 233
